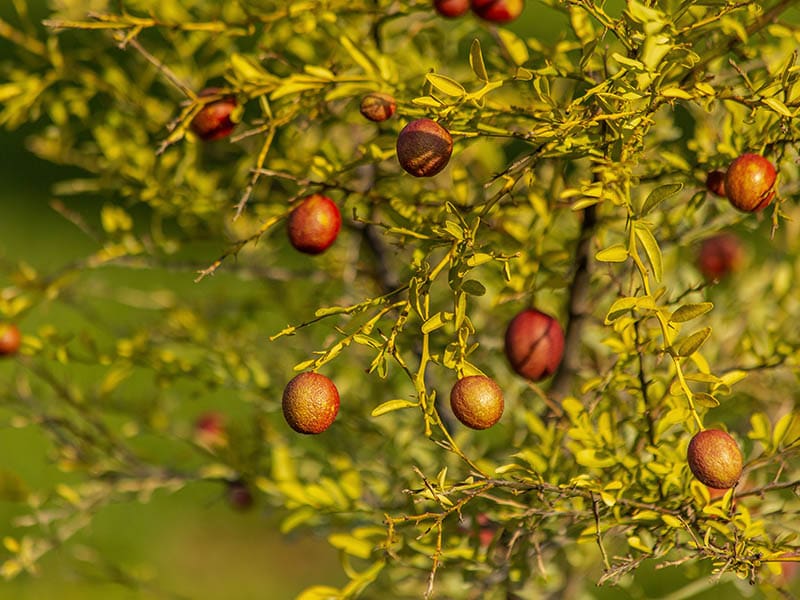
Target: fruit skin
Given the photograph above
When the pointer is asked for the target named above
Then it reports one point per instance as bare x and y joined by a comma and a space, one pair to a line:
314, 224
715, 183
10, 339
534, 344
498, 11
477, 401
310, 403
378, 106
715, 459
750, 182
424, 148
720, 256
451, 8
213, 121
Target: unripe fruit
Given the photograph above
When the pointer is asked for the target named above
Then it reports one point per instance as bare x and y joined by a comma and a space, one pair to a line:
314, 224
377, 106
750, 182
719, 256
424, 148
498, 11
534, 344
451, 8
310, 403
715, 183
213, 121
477, 401
715, 459
10, 339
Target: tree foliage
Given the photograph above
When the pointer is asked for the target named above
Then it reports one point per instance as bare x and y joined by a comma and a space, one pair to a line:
577, 185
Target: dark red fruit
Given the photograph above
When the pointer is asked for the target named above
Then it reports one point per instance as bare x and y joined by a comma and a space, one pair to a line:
477, 401
720, 255
377, 106
310, 403
213, 121
750, 182
314, 224
715, 459
451, 8
498, 11
239, 495
715, 183
534, 344
424, 148
10, 339
209, 429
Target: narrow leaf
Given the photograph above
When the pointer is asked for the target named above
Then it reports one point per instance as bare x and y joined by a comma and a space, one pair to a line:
692, 344
476, 60
446, 85
687, 312
658, 195
651, 248
615, 253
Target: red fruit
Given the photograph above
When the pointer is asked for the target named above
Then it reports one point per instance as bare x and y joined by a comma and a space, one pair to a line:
10, 339
310, 403
720, 255
498, 11
209, 429
715, 183
750, 182
213, 121
378, 107
424, 148
451, 8
477, 401
534, 344
239, 495
715, 459
314, 224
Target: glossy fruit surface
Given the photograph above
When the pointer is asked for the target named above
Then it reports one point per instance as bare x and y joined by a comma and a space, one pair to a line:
498, 11
477, 401
213, 121
720, 256
534, 344
10, 339
750, 182
715, 459
424, 148
314, 224
451, 8
377, 106
310, 403
715, 183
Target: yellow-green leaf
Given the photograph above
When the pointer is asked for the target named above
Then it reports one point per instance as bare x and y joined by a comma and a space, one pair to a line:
651, 248
615, 253
687, 312
476, 60
446, 85
691, 344
392, 405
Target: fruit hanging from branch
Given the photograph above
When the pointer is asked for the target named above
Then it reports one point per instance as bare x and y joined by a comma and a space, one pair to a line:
424, 148
314, 224
750, 182
310, 403
534, 344
715, 459
477, 401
